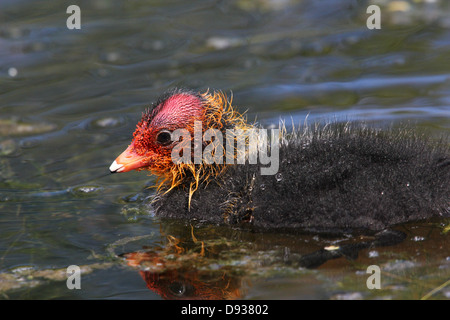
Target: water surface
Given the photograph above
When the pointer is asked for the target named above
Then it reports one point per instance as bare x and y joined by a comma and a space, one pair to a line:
70, 100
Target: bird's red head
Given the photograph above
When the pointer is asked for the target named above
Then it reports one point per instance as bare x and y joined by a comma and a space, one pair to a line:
151, 147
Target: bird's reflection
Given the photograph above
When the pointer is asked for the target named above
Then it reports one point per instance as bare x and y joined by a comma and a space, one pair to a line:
218, 263
188, 268
186, 282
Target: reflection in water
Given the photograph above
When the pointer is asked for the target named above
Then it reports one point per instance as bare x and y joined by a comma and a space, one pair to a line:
219, 266
185, 269
185, 282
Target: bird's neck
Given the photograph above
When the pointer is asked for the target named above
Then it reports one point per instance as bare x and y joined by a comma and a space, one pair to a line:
221, 124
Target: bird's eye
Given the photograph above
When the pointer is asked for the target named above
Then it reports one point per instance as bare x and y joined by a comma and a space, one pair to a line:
164, 138
177, 288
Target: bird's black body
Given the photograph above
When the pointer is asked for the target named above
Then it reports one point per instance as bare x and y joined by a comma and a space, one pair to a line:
339, 177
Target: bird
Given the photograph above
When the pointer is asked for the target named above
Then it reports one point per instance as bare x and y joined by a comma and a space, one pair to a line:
335, 177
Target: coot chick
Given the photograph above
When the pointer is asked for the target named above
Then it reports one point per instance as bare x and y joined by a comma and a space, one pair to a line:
333, 178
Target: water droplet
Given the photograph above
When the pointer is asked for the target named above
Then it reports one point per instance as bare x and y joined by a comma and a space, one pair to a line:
373, 254
107, 122
279, 177
84, 191
262, 187
12, 72
407, 184
112, 56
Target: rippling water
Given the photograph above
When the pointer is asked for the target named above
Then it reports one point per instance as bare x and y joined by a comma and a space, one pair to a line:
70, 100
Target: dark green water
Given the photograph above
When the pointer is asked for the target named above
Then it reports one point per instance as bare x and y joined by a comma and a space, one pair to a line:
70, 99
